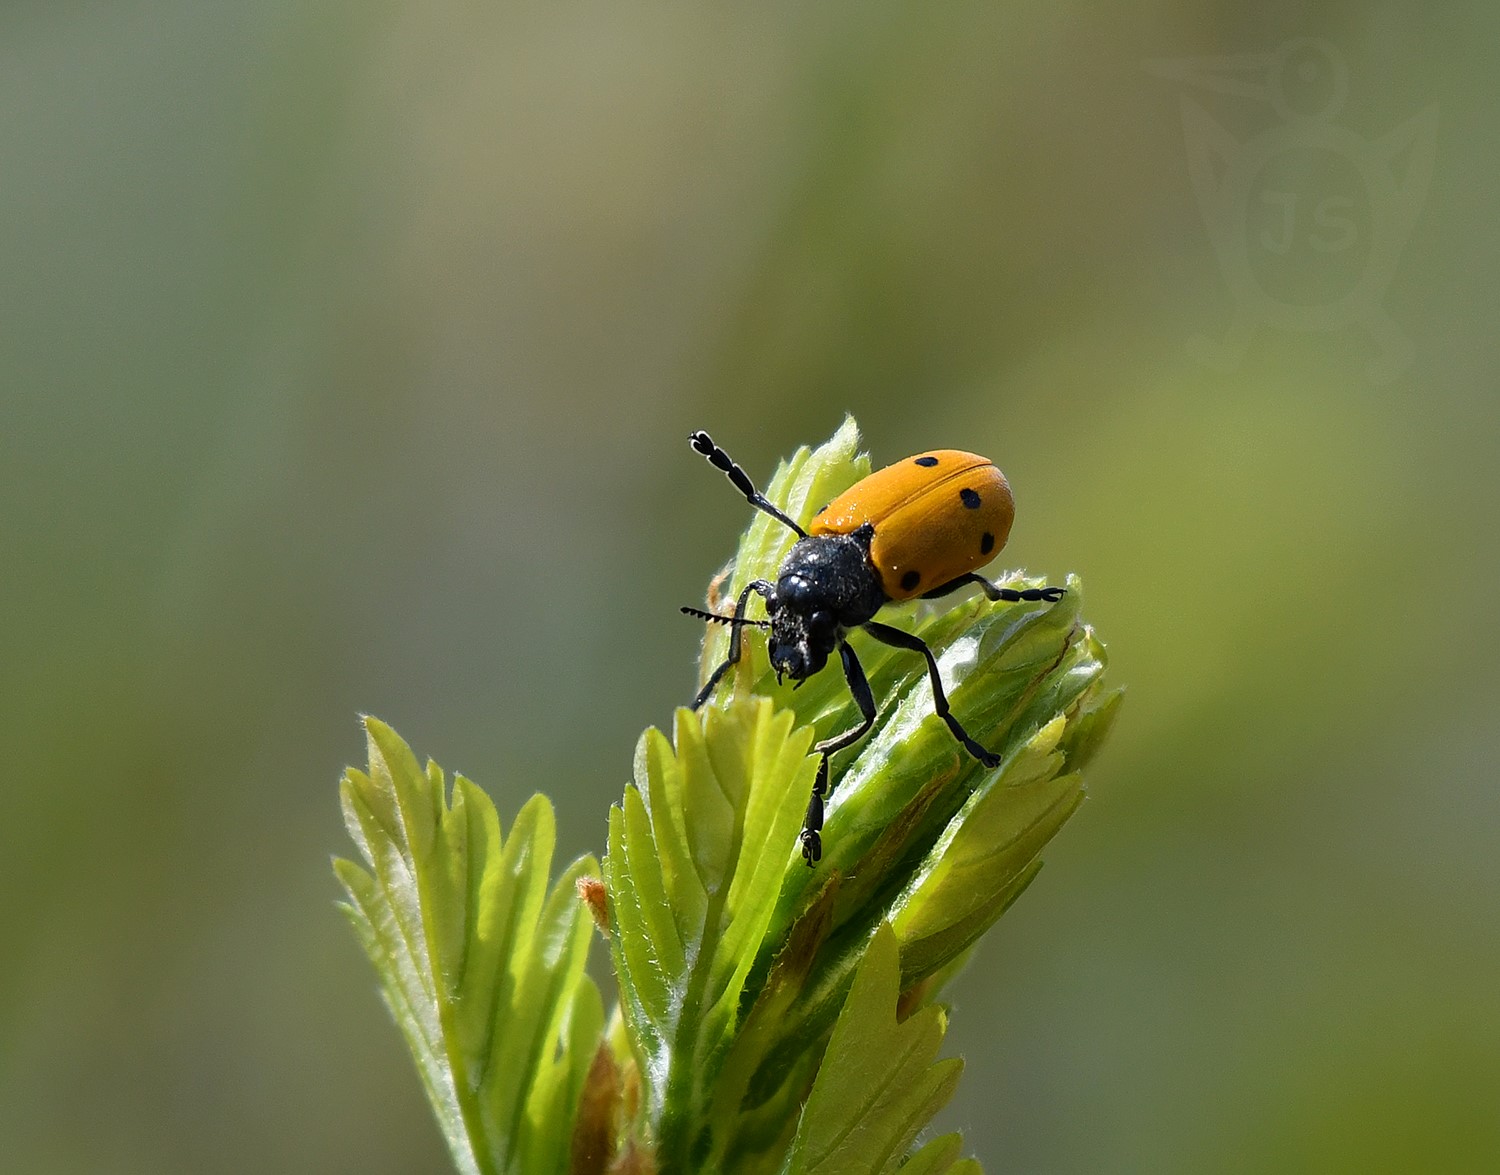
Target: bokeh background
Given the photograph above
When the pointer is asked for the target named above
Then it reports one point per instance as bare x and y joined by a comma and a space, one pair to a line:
347, 356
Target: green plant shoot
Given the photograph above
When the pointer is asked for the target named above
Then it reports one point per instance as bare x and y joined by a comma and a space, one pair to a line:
771, 1018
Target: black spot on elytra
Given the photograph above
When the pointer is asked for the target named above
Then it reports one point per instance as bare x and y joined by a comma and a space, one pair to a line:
910, 580
987, 543
969, 498
926, 462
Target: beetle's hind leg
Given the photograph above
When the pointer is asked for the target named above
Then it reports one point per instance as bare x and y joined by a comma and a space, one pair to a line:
995, 592
905, 640
859, 686
722, 461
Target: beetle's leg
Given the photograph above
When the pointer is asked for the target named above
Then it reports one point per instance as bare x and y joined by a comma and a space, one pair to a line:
995, 591
905, 640
765, 588
721, 460
859, 686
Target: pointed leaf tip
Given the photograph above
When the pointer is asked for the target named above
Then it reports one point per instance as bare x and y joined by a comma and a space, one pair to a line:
692, 879
481, 965
879, 1082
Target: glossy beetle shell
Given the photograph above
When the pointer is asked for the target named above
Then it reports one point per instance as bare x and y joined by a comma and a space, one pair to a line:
935, 516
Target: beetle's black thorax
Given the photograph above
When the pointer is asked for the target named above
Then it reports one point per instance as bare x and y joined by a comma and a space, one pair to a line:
831, 573
826, 585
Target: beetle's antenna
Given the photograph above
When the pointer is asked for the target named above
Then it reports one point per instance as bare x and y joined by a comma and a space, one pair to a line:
732, 621
722, 461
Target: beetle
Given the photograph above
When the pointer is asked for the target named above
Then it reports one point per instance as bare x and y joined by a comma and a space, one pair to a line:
918, 528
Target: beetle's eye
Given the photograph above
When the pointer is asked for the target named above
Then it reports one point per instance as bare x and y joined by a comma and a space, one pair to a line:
820, 622
793, 589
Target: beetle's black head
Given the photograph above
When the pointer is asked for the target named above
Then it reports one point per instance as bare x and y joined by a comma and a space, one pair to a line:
801, 637
826, 585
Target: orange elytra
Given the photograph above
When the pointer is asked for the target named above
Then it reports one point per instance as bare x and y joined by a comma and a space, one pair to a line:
935, 517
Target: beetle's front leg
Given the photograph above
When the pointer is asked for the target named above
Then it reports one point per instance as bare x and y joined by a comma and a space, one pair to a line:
765, 588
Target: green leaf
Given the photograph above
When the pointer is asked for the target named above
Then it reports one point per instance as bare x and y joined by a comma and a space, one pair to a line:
878, 1085
902, 802
981, 862
697, 851
940, 1157
481, 967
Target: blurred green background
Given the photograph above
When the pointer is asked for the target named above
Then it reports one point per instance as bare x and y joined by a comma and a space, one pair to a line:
347, 356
